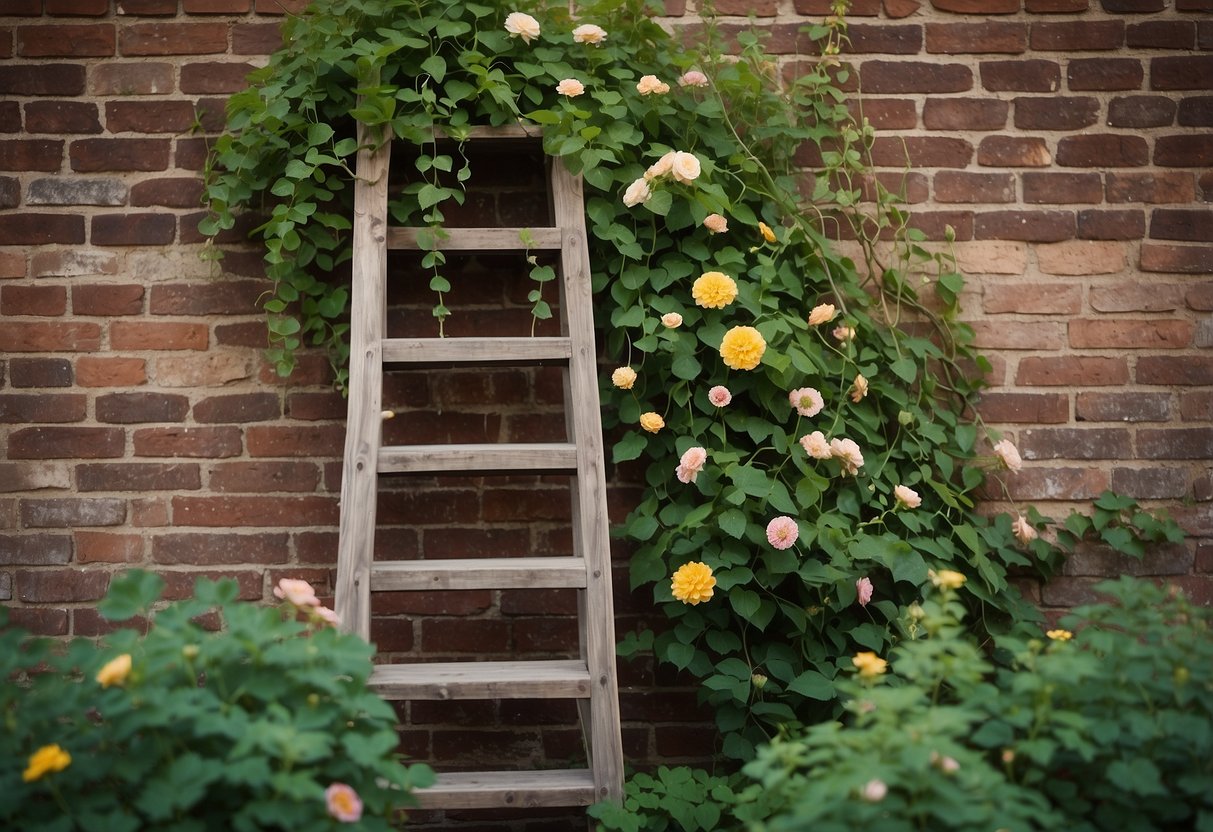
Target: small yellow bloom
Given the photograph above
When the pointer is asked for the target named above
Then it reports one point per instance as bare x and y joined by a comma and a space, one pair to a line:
1060, 635
742, 348
869, 664
115, 671
822, 313
859, 389
714, 290
767, 233
946, 578
623, 378
693, 583
46, 759
652, 422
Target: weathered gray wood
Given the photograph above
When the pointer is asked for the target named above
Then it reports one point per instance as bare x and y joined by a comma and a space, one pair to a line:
474, 239
557, 679
478, 573
476, 350
431, 459
502, 789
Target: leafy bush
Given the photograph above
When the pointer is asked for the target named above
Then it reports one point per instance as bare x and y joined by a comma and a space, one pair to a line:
266, 723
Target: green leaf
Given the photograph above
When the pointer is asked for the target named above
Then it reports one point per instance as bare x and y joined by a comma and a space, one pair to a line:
905, 368
629, 447
131, 594
732, 522
680, 654
745, 602
435, 65
812, 685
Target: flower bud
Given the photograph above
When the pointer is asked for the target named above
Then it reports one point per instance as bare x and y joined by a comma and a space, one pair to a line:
905, 418
759, 681
190, 651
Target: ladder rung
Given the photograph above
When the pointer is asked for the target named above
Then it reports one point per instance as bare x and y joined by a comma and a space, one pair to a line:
436, 459
556, 679
497, 789
476, 350
478, 573
477, 239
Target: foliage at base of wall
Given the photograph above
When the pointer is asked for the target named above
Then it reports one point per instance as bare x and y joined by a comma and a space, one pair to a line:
265, 723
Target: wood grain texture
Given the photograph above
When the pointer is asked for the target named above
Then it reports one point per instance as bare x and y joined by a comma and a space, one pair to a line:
556, 679
430, 459
478, 573
501, 789
476, 350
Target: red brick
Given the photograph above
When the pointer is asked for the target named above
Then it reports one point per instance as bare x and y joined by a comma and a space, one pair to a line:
1035, 335
75, 41
254, 511
131, 408
1025, 408
40, 372
73, 263
308, 441
1031, 298
138, 476
264, 477
32, 229
110, 372
149, 512
41, 407
171, 192
1161, 34
1196, 407
238, 408
321, 406
92, 155
915, 76
1013, 152
39, 620
922, 151
206, 443
1057, 484
1081, 257
1078, 35
214, 77
444, 636
1111, 225
964, 114
108, 547
12, 264
888, 40
35, 549
61, 117
61, 585
1031, 226
1136, 297
1062, 188
432, 603
1182, 73
1190, 225
149, 7
107, 300
977, 6
216, 6
173, 39
1072, 371
1021, 76
963, 186
256, 38
219, 549
31, 154
1175, 443
316, 547
1122, 407
1075, 443
72, 512
179, 585
148, 335
1133, 6
1184, 370
33, 300
1104, 74
977, 38
42, 79
31, 8
861, 8
1152, 187
248, 334
886, 113
1103, 150
1200, 297
10, 197
49, 337
232, 297
148, 116
1196, 111
1130, 334
133, 229
1055, 6
1182, 151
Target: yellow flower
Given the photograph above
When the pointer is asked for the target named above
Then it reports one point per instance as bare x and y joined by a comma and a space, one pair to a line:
714, 290
693, 583
652, 422
767, 233
946, 579
115, 671
869, 664
46, 759
623, 378
1060, 635
822, 313
742, 348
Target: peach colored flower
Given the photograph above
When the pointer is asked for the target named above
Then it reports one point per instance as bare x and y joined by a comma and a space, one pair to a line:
686, 167
650, 85
847, 452
343, 803
946, 578
1008, 454
742, 348
766, 232
692, 583
782, 532
589, 33
637, 193
661, 167
715, 223
720, 396
874, 791
859, 389
1024, 531
821, 314
806, 400
570, 87
691, 463
522, 25
693, 78
652, 422
947, 765
623, 378
115, 671
671, 320
47, 759
714, 290
869, 664
816, 446
863, 591
326, 615
906, 496
299, 593
844, 333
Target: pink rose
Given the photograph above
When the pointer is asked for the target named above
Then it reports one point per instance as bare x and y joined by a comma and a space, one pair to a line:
821, 314
685, 167
806, 400
1024, 531
816, 446
1008, 455
782, 532
715, 223
720, 396
570, 87
650, 85
863, 590
692, 462
693, 78
299, 593
637, 193
343, 803
671, 320
907, 497
661, 167
847, 452
874, 791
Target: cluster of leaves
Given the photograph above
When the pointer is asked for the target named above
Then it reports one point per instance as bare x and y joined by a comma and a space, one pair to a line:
1104, 728
239, 728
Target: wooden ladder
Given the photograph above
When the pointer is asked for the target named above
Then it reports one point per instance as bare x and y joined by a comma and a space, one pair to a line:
591, 679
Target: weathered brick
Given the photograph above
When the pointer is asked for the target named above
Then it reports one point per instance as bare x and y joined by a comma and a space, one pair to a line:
963, 186
1062, 188
149, 7
238, 408
231, 297
31, 154
1013, 152
1161, 34
61, 117
1077, 36
158, 335
73, 263
1175, 443
1104, 74
68, 512
992, 257
110, 372
42, 79
40, 621
1091, 406
41, 407
1025, 408
1072, 371
922, 151
1035, 335
1196, 406
1175, 370
1183, 151
216, 6
463, 636
32, 229
206, 443
191, 154
138, 476
67, 41
1200, 297
1141, 111
964, 114
977, 6
1193, 72
1030, 226
1031, 298
867, 38
1111, 225
220, 549
133, 229
1055, 6
1136, 297
171, 192
134, 78
107, 300
179, 585
61, 585
33, 300
35, 549
292, 441
10, 196
1081, 257
172, 39
212, 78
94, 155
886, 113
1152, 187
1102, 150
1196, 111
1130, 334
977, 38
130, 408
264, 477
148, 116
915, 76
1189, 225
1021, 76
1075, 443
1153, 483
314, 407
69, 191
256, 38
1038, 483
19, 336
254, 511
40, 372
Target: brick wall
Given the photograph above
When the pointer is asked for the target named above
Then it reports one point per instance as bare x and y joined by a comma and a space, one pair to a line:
1069, 143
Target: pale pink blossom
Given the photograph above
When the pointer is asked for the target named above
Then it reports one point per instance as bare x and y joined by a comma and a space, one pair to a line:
863, 591
686, 167
859, 389
661, 167
782, 532
693, 78
570, 87
715, 223
326, 615
847, 452
589, 33
806, 400
1024, 531
1008, 454
692, 462
874, 791
521, 25
844, 333
821, 314
299, 593
948, 765
649, 85
816, 446
343, 803
637, 193
906, 496
671, 320
720, 396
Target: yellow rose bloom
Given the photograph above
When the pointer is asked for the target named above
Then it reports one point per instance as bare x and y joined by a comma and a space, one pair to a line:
623, 378
115, 671
1060, 635
46, 759
742, 348
946, 579
714, 290
767, 233
693, 583
869, 664
652, 422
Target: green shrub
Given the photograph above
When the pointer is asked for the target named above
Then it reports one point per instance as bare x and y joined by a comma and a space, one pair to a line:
251, 726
